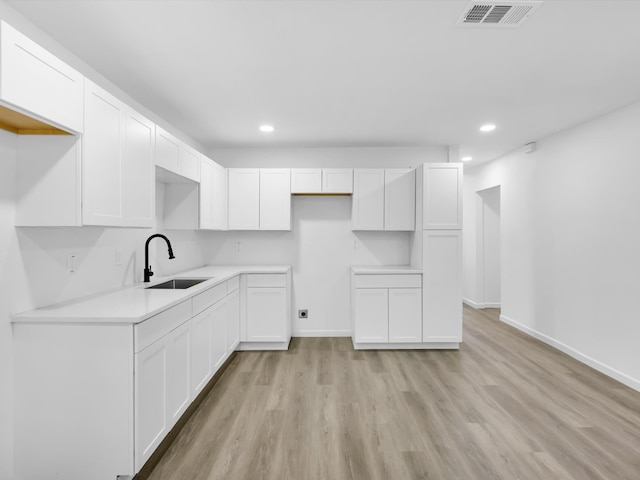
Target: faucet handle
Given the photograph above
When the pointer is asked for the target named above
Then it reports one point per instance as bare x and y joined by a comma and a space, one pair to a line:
150, 272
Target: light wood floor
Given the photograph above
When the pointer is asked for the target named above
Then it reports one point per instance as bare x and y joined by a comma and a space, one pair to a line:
504, 406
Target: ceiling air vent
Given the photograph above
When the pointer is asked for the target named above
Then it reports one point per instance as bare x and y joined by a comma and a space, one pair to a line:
497, 14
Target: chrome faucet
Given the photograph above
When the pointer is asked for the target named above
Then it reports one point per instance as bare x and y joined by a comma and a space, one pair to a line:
147, 268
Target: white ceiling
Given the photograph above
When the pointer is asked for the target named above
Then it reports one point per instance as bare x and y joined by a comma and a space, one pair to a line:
355, 73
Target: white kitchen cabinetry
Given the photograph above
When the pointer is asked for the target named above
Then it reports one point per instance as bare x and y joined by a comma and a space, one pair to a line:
442, 296
371, 315
244, 198
117, 163
259, 199
442, 196
114, 389
213, 196
275, 199
318, 181
387, 310
233, 314
267, 322
176, 157
383, 199
201, 353
36, 83
399, 199
368, 199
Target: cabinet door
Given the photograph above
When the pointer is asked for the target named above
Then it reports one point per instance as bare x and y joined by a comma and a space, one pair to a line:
138, 173
275, 199
219, 198
233, 321
442, 286
337, 180
189, 163
167, 151
244, 198
206, 194
368, 200
201, 353
37, 82
405, 315
178, 372
266, 314
372, 315
218, 334
101, 158
442, 192
150, 400
399, 199
306, 180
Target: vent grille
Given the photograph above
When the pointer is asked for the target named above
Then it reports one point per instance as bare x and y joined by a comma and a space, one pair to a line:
497, 14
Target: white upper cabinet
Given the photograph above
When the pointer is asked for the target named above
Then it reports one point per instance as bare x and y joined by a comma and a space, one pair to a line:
306, 180
399, 199
117, 163
337, 180
189, 163
138, 186
102, 157
383, 199
176, 157
442, 196
259, 199
368, 199
244, 198
167, 151
213, 196
275, 199
326, 180
37, 83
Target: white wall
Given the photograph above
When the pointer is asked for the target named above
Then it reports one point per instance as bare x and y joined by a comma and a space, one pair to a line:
354, 157
570, 237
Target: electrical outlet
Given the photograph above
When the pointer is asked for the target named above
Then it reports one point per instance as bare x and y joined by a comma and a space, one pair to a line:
72, 260
303, 313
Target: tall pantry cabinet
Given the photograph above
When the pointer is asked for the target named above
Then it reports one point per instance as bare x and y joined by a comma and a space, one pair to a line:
437, 250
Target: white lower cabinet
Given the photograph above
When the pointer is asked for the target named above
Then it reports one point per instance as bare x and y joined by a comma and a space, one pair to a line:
178, 372
372, 315
405, 315
151, 400
201, 350
233, 320
387, 309
218, 334
266, 321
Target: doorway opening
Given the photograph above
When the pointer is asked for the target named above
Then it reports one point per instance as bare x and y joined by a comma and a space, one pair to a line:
488, 248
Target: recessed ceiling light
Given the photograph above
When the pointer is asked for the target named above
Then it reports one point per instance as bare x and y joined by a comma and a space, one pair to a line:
487, 128
467, 159
266, 128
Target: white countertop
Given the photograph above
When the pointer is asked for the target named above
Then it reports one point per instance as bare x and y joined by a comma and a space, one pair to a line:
384, 269
136, 303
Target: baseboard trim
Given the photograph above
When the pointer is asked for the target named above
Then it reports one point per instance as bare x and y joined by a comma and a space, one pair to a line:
321, 333
479, 306
572, 352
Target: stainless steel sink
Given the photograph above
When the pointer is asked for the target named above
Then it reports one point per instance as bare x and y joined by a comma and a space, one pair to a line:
178, 283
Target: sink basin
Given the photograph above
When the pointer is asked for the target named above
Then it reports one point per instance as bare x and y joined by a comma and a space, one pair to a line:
178, 283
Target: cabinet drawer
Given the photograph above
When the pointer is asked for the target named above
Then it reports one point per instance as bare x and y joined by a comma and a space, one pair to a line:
233, 284
207, 298
147, 332
388, 281
266, 280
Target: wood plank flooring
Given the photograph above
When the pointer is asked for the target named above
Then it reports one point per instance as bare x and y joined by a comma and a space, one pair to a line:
504, 406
